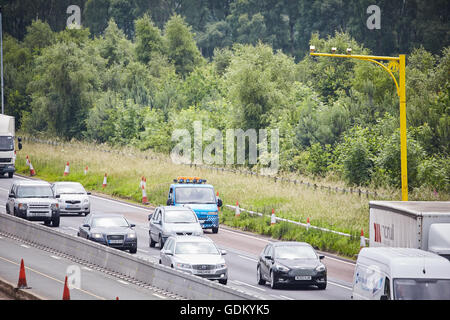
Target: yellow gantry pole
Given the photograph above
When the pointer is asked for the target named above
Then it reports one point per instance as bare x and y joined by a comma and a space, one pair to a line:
395, 63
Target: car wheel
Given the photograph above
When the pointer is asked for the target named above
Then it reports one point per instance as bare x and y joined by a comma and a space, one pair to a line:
133, 251
215, 230
47, 222
86, 213
322, 286
10, 174
259, 278
273, 283
223, 281
151, 242
161, 242
7, 209
55, 221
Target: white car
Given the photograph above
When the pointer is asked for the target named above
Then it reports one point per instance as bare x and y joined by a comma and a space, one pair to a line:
197, 255
73, 198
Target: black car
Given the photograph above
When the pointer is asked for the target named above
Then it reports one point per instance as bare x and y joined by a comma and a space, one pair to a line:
291, 263
110, 229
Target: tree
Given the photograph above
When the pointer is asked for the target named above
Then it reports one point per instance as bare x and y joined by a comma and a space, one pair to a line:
181, 47
148, 39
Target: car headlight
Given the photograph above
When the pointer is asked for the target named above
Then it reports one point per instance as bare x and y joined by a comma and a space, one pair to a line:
197, 233
54, 206
212, 213
184, 266
131, 236
282, 268
23, 206
85, 201
97, 235
320, 268
221, 266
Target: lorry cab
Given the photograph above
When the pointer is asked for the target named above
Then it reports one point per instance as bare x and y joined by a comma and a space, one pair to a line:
194, 193
387, 273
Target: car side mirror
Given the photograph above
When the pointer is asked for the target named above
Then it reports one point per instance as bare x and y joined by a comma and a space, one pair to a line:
321, 256
169, 202
11, 195
150, 216
223, 252
168, 252
132, 225
88, 193
58, 196
219, 202
87, 226
268, 257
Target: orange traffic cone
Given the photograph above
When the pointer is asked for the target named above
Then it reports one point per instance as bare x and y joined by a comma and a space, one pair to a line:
117, 298
144, 196
105, 180
307, 224
86, 170
28, 161
237, 211
273, 220
66, 292
22, 283
67, 170
362, 242
32, 172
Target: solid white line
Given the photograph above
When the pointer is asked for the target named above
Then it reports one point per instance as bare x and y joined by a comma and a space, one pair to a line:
244, 257
121, 203
274, 296
342, 261
55, 257
244, 235
122, 282
339, 285
287, 298
25, 246
145, 251
161, 297
246, 284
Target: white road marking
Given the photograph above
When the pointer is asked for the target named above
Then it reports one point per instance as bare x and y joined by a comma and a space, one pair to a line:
244, 257
161, 297
287, 298
25, 246
86, 268
274, 296
121, 203
122, 282
144, 251
55, 257
246, 284
339, 285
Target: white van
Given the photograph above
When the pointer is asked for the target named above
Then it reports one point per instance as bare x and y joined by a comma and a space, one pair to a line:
385, 273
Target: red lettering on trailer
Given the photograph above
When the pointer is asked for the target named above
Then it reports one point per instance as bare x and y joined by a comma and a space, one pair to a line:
377, 232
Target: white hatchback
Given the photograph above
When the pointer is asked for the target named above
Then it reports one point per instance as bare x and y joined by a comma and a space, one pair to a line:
73, 198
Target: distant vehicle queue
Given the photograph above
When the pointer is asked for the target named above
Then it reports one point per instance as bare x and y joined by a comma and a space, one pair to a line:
177, 229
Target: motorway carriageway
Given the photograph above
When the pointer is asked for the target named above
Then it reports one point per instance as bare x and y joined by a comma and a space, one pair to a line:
47, 271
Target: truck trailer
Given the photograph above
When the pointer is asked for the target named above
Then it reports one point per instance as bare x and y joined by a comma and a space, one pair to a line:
422, 225
7, 145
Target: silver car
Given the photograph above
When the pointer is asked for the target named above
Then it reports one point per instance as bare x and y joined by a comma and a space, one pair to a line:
73, 198
34, 201
196, 255
168, 221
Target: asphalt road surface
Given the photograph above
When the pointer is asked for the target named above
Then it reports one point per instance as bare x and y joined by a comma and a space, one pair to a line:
243, 250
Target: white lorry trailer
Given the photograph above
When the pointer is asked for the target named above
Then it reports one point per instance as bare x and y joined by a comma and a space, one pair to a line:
411, 224
7, 145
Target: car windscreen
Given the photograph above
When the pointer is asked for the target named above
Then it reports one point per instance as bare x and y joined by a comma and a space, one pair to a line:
196, 248
422, 289
109, 222
34, 192
6, 143
70, 189
294, 252
194, 195
179, 217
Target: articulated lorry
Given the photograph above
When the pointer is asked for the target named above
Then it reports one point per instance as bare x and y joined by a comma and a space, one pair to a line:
7, 146
423, 225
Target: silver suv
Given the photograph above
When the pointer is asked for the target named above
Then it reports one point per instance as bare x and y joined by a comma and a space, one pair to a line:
35, 201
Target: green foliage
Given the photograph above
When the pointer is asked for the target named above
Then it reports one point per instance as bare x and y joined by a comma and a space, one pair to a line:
148, 39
